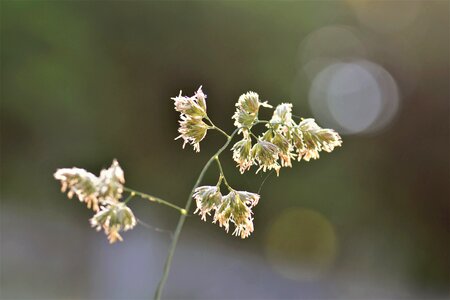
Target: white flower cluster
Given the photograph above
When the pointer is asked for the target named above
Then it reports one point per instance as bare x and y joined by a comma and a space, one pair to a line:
236, 207
113, 218
91, 189
101, 194
192, 111
247, 109
80, 183
284, 140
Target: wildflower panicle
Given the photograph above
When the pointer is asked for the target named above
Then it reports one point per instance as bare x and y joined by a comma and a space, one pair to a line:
192, 113
113, 218
193, 131
282, 115
235, 207
81, 183
111, 182
91, 189
247, 109
316, 139
102, 194
207, 199
242, 154
266, 154
194, 106
281, 142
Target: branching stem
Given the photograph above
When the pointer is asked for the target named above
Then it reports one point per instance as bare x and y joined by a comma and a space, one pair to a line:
153, 199
253, 135
182, 218
217, 128
129, 198
222, 175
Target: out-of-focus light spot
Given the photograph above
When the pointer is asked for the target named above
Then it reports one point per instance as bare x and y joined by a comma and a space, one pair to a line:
390, 97
354, 92
386, 16
335, 41
301, 244
354, 97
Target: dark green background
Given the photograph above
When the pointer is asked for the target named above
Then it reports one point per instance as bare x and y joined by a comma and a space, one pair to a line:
85, 82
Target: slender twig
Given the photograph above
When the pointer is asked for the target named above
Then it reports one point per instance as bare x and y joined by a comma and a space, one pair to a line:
129, 198
182, 218
298, 117
154, 199
142, 223
222, 175
253, 135
221, 131
264, 181
217, 128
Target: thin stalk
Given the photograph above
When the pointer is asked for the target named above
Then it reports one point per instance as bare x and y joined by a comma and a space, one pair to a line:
182, 218
222, 175
217, 128
221, 131
129, 198
253, 135
154, 199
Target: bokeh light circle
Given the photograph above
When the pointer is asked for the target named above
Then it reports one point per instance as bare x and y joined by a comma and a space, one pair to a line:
301, 244
354, 97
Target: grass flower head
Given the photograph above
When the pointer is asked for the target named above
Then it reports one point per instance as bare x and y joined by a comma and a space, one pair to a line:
194, 106
266, 154
316, 139
207, 199
247, 109
113, 218
81, 183
242, 154
192, 131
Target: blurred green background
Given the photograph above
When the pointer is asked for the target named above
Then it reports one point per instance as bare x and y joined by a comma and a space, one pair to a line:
85, 82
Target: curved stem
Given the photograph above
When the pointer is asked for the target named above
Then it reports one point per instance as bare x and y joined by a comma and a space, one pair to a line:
221, 131
182, 219
217, 128
222, 175
153, 199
